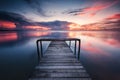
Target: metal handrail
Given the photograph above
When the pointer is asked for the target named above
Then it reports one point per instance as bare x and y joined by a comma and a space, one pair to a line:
40, 53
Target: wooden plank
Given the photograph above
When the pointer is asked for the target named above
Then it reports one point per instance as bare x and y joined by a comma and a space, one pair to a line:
60, 79
72, 61
61, 75
59, 67
56, 56
60, 70
59, 63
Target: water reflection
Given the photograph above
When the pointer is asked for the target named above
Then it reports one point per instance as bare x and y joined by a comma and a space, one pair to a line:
36, 34
19, 37
112, 42
18, 55
99, 51
108, 38
5, 37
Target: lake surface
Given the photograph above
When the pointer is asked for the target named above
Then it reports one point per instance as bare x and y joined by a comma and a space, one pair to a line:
100, 52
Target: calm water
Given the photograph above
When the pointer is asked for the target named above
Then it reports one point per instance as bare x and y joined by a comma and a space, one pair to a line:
100, 53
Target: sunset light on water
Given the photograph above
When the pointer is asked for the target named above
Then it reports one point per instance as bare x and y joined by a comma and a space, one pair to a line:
95, 22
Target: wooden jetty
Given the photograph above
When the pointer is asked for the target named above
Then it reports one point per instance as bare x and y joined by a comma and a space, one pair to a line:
58, 62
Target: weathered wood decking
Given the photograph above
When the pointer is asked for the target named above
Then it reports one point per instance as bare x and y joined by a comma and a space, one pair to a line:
59, 63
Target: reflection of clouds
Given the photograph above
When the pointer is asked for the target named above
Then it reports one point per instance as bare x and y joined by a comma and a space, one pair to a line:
112, 42
71, 35
88, 34
74, 34
37, 34
93, 34
5, 37
104, 39
101, 43
110, 38
92, 49
88, 42
96, 34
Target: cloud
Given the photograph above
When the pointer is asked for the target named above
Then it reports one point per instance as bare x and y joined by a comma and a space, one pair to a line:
92, 10
107, 26
14, 21
7, 24
113, 21
113, 17
37, 6
14, 17
18, 22
110, 23
55, 25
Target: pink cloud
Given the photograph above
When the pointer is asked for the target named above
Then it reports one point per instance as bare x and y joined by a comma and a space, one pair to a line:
7, 24
111, 22
99, 6
114, 16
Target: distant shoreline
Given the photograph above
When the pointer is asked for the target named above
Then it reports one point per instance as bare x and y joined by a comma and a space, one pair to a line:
58, 30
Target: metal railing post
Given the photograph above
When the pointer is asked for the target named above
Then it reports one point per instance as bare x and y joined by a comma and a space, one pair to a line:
38, 49
79, 49
69, 43
75, 48
40, 46
41, 49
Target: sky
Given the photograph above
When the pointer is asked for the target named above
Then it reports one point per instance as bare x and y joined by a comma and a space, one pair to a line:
81, 12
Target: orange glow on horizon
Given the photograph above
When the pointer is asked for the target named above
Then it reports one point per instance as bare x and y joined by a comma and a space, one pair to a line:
36, 27
4, 37
74, 35
93, 26
73, 26
7, 24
